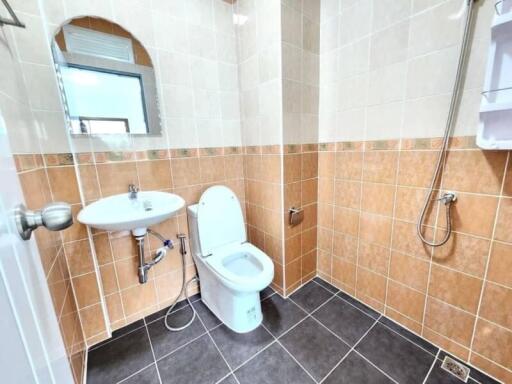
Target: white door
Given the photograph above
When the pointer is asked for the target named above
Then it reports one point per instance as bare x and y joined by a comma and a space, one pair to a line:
31, 346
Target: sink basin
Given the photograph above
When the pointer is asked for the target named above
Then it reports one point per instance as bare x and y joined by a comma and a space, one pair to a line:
120, 213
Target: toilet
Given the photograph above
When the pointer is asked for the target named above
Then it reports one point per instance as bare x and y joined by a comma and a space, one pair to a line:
232, 271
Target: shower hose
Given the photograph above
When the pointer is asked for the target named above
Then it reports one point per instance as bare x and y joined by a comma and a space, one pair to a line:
448, 198
184, 290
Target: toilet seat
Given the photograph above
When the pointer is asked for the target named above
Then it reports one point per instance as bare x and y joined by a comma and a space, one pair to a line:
241, 266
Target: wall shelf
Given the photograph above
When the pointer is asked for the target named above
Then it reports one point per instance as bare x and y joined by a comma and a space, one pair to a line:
495, 131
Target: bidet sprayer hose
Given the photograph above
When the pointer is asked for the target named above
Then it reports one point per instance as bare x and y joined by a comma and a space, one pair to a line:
184, 290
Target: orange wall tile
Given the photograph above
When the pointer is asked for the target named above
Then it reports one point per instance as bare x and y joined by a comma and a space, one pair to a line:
370, 196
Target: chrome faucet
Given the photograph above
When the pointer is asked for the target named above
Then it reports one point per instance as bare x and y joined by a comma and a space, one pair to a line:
133, 191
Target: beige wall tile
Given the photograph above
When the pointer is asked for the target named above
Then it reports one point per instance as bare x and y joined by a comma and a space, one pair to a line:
500, 264
380, 166
416, 168
347, 194
493, 343
497, 305
86, 290
378, 198
115, 177
474, 171
449, 321
63, 184
406, 301
376, 229
455, 288
504, 223
154, 175
349, 165
464, 253
374, 257
408, 270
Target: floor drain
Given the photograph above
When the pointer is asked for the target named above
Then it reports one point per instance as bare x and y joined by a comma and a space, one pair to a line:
455, 368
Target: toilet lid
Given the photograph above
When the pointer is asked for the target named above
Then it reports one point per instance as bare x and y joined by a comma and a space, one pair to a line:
219, 219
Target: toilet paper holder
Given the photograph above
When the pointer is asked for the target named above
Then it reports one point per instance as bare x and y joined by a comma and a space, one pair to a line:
296, 215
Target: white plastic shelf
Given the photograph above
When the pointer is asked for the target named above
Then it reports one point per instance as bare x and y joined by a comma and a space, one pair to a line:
495, 130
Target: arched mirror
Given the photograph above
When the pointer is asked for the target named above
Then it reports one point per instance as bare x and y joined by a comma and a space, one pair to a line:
106, 78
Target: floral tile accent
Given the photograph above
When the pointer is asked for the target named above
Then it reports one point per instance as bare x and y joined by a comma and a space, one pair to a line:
213, 151
232, 151
85, 158
184, 152
382, 145
350, 146
326, 147
292, 148
309, 147
253, 150
271, 149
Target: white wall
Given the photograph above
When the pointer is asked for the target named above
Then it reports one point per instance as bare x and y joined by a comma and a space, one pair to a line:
259, 42
193, 48
387, 68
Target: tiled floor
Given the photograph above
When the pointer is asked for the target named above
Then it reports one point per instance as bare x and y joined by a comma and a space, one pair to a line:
318, 335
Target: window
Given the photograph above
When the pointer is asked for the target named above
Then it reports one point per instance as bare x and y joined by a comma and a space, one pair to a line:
102, 101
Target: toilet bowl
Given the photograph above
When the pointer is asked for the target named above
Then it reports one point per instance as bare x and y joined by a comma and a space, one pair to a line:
232, 271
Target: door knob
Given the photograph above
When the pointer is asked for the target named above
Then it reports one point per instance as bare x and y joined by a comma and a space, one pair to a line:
53, 216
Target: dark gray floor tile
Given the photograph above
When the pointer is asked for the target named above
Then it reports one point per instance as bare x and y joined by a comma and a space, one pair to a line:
121, 332
356, 303
344, 320
207, 317
229, 380
120, 358
439, 376
326, 285
398, 357
356, 370
273, 365
311, 296
146, 376
237, 348
316, 349
181, 304
474, 373
280, 314
410, 336
165, 341
267, 292
197, 363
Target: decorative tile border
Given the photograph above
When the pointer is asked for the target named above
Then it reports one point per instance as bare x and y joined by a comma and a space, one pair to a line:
28, 162
25, 162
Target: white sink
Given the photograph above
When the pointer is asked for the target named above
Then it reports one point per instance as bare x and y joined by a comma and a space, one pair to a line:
120, 213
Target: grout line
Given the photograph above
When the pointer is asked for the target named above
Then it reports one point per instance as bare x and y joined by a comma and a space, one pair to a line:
349, 351
152, 351
180, 347
231, 371
310, 315
375, 366
496, 218
381, 316
276, 340
108, 341
432, 366
410, 341
139, 371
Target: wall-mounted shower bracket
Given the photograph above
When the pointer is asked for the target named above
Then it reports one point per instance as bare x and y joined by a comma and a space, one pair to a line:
448, 198
144, 266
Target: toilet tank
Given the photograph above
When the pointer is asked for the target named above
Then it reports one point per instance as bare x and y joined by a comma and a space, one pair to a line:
193, 230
